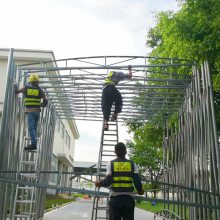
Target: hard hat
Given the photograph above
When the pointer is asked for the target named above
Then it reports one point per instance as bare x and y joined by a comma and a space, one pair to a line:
33, 78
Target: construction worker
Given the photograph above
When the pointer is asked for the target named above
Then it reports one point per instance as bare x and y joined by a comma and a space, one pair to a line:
121, 175
32, 101
110, 94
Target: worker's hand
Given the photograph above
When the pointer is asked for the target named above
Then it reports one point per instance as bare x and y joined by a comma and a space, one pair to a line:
141, 192
98, 183
129, 67
15, 86
44, 103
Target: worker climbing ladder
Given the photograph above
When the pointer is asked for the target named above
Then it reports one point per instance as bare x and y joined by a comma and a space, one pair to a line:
106, 153
26, 195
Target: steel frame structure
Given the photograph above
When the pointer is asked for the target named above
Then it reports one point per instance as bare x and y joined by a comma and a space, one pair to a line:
74, 86
76, 91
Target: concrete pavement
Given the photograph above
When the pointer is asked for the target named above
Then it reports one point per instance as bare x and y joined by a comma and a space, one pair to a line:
82, 210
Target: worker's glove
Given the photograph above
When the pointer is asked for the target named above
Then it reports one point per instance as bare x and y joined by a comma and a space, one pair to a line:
141, 192
129, 67
98, 183
15, 86
44, 103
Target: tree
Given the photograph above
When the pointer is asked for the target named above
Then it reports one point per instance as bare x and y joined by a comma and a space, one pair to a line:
192, 33
146, 150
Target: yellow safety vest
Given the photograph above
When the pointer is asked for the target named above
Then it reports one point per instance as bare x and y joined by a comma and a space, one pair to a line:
108, 79
32, 97
122, 173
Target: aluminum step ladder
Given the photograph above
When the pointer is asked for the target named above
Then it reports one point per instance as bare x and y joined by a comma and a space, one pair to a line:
109, 139
25, 196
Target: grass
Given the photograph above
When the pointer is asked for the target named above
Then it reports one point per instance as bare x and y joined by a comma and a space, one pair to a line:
54, 200
146, 205
60, 199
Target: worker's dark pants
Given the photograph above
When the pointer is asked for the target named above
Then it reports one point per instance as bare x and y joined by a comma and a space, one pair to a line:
121, 207
111, 95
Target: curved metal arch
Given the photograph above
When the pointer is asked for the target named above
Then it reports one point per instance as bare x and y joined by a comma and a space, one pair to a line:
78, 82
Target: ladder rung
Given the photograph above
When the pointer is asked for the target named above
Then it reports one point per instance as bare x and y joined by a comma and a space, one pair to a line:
110, 134
29, 138
26, 187
109, 145
28, 175
110, 140
112, 122
28, 213
25, 215
108, 151
29, 162
30, 151
25, 201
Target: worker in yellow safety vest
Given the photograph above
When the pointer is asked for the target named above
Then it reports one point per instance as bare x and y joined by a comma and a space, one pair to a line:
33, 94
122, 176
111, 95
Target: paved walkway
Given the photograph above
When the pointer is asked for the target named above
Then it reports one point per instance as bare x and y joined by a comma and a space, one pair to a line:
82, 210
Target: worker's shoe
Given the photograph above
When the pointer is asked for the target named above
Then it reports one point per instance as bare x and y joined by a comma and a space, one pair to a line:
105, 126
114, 117
31, 147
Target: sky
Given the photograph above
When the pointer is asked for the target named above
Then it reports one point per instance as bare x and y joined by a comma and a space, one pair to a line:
81, 28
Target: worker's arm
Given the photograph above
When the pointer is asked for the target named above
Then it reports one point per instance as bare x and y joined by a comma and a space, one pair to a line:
138, 184
16, 90
105, 182
45, 100
137, 181
129, 72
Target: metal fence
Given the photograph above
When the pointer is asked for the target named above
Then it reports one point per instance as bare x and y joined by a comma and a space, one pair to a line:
191, 153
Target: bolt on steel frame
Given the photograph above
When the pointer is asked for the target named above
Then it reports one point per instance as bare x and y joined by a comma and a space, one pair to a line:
191, 155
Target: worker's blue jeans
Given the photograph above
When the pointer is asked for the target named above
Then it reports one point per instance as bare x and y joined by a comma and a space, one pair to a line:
33, 118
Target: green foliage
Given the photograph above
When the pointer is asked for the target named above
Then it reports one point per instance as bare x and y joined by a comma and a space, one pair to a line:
56, 200
146, 205
192, 33
146, 150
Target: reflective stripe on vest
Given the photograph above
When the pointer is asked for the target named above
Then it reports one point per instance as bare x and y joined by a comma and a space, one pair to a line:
32, 97
122, 185
122, 176
118, 178
108, 79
